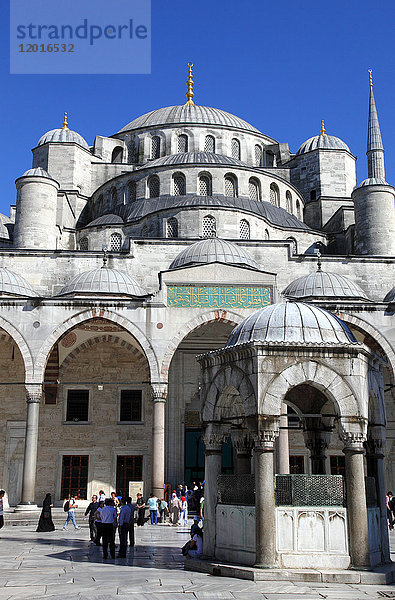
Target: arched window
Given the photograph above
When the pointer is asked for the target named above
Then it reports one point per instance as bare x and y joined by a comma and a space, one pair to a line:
115, 242
132, 191
288, 199
230, 186
209, 227
209, 144
258, 156
84, 245
179, 186
298, 211
235, 148
274, 195
204, 185
153, 187
155, 147
114, 198
244, 230
172, 228
117, 154
313, 195
267, 237
254, 189
182, 143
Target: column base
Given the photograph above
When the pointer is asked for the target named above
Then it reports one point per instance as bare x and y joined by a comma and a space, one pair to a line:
262, 566
23, 507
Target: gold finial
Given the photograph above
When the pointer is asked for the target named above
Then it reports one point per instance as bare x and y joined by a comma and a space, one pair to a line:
65, 124
322, 127
189, 93
319, 263
370, 78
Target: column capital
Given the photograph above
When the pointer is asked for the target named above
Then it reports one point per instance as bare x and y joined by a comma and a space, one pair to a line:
34, 392
265, 432
159, 391
353, 432
242, 441
213, 437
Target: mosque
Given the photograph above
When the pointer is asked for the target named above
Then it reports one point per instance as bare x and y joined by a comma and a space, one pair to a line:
189, 232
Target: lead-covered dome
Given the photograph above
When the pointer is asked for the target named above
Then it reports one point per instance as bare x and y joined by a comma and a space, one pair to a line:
390, 297
213, 250
63, 134
103, 281
190, 115
324, 285
291, 322
12, 284
37, 172
322, 142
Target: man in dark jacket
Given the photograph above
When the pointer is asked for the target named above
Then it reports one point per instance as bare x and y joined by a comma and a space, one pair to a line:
91, 509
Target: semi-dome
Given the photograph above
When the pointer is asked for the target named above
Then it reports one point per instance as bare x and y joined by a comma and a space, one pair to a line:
291, 322
63, 134
322, 142
37, 172
322, 284
213, 250
12, 284
203, 158
190, 115
104, 281
6, 227
390, 297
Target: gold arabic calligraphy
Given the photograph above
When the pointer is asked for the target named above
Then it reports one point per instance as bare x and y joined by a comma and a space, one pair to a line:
188, 296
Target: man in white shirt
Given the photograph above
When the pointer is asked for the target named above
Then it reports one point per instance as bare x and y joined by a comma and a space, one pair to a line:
2, 493
108, 520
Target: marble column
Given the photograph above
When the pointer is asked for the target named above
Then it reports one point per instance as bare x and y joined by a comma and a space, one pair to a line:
357, 515
159, 394
317, 442
265, 524
375, 468
213, 439
33, 398
282, 444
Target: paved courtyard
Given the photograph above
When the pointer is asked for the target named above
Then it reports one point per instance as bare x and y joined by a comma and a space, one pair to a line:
64, 565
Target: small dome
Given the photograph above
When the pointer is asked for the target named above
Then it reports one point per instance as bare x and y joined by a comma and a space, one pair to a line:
212, 250
373, 181
291, 322
322, 142
390, 297
37, 172
6, 227
12, 284
104, 281
201, 158
323, 284
185, 114
63, 135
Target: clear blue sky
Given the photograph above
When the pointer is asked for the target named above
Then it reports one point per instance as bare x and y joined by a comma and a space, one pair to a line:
282, 66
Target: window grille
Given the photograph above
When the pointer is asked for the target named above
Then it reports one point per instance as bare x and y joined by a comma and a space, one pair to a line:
131, 405
75, 476
288, 198
115, 242
309, 490
204, 185
153, 187
274, 195
129, 468
179, 185
209, 227
172, 228
84, 244
182, 143
230, 187
244, 229
296, 464
77, 405
235, 149
209, 144
258, 156
155, 147
253, 188
132, 188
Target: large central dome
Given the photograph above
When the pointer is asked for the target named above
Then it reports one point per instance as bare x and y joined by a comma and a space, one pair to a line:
188, 114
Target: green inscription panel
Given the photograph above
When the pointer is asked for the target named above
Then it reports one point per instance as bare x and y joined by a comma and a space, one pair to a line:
212, 296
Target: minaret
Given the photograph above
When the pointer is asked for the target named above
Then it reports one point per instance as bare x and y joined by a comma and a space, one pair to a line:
374, 198
375, 148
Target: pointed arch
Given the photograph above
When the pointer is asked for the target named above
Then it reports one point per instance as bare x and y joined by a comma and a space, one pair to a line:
22, 346
215, 401
43, 353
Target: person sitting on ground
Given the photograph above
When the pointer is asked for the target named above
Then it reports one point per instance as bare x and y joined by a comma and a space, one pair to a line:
196, 546
195, 525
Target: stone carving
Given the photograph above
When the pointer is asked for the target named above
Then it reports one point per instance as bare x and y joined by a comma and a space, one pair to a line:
353, 432
33, 393
159, 392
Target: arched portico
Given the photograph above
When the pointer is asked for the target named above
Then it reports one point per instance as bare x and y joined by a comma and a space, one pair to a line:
22, 346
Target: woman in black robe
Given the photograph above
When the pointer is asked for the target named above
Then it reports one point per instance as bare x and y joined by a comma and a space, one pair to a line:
45, 523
